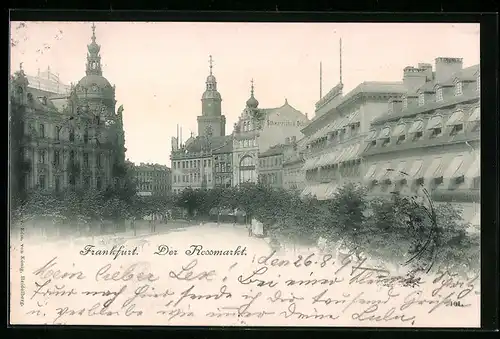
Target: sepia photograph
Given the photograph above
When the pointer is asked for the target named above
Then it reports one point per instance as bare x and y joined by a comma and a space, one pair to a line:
245, 174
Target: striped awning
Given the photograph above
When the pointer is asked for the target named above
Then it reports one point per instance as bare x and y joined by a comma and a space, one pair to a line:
456, 118
354, 118
310, 163
331, 190
342, 123
474, 170
435, 122
399, 172
417, 126
455, 169
399, 130
435, 170
415, 170
321, 161
383, 172
384, 133
369, 175
340, 155
306, 191
371, 135
475, 115
330, 158
321, 191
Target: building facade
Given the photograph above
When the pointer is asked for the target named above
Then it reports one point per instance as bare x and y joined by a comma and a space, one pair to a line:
430, 137
335, 138
293, 161
257, 130
193, 162
152, 179
222, 158
73, 141
271, 165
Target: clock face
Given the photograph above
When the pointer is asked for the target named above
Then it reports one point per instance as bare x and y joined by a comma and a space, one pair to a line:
209, 104
94, 88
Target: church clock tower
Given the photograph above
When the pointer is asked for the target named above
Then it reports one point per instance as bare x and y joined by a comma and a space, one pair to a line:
211, 122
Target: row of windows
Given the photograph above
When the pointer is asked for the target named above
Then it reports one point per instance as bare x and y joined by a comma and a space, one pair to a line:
270, 161
223, 167
246, 143
191, 164
330, 173
192, 177
436, 126
42, 182
336, 136
154, 187
271, 178
458, 90
156, 174
58, 132
246, 126
42, 158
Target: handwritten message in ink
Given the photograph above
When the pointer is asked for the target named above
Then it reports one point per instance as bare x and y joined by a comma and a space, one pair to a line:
144, 283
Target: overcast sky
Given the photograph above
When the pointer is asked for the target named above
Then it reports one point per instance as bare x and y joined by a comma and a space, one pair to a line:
160, 69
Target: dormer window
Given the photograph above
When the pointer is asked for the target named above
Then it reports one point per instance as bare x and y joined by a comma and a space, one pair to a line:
421, 99
439, 94
458, 88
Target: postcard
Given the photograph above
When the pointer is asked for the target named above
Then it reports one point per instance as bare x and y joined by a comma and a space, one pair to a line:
245, 174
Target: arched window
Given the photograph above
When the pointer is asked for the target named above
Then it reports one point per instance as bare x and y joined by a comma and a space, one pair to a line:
247, 170
42, 131
71, 135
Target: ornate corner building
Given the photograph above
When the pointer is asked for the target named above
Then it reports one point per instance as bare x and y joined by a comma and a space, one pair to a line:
66, 141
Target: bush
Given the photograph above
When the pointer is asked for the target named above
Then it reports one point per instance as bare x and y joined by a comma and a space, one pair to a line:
402, 229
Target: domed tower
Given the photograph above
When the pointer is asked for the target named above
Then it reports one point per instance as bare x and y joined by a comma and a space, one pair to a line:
252, 103
95, 93
211, 122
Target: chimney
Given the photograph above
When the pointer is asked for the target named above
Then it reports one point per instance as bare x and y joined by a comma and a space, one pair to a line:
427, 70
446, 67
414, 78
294, 139
287, 141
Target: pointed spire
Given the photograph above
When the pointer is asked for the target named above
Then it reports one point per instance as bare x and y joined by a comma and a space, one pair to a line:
93, 32
210, 61
93, 57
340, 59
251, 90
